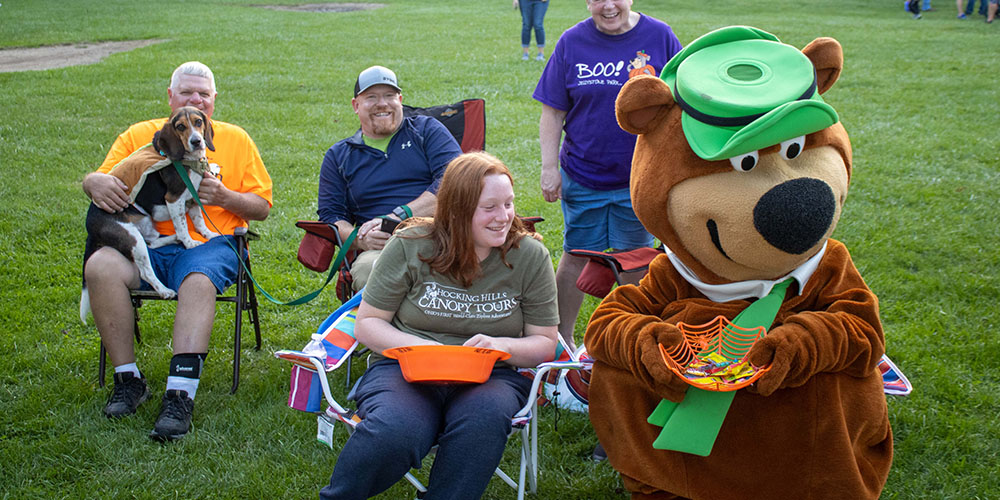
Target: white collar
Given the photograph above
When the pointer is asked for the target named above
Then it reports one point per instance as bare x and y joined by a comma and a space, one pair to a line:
746, 289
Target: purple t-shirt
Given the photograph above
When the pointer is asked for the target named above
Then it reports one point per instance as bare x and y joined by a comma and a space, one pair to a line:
583, 77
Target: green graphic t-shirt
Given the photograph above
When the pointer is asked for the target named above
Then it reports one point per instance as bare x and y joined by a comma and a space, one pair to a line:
433, 306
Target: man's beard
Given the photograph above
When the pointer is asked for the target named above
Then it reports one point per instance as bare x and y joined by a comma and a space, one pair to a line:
385, 125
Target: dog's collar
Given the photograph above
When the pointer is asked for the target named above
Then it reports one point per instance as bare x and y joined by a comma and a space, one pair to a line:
201, 166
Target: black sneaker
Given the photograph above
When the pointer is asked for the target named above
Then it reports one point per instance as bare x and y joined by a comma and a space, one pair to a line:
128, 393
175, 416
599, 455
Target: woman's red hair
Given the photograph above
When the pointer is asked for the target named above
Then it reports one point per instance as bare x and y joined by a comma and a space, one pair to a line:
454, 253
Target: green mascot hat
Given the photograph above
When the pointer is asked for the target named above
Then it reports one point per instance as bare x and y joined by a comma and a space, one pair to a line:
741, 90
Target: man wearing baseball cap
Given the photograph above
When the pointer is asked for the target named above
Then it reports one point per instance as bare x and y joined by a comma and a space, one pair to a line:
391, 167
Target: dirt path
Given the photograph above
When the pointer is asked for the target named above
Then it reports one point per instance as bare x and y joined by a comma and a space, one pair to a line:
77, 54
61, 56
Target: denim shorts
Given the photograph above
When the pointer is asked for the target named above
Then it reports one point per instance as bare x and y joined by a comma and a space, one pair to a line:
599, 220
215, 259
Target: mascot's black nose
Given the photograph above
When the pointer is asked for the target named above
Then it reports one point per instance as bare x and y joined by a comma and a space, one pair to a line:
794, 215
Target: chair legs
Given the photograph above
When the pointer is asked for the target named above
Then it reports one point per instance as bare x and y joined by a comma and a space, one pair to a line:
246, 300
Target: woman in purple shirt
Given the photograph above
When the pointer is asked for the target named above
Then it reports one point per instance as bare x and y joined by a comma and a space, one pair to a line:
590, 171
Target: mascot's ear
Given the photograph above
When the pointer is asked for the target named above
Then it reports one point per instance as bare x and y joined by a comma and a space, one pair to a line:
643, 104
828, 58
167, 141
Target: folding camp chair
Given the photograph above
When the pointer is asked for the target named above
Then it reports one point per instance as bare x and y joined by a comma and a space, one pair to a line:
334, 342
604, 269
466, 120
244, 298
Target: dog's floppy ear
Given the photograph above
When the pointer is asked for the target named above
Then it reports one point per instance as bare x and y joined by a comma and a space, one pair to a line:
209, 133
642, 104
167, 142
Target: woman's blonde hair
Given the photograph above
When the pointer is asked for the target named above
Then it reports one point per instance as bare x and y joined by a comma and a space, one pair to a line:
454, 252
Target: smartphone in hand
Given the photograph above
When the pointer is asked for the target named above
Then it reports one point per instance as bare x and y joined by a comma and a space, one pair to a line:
388, 225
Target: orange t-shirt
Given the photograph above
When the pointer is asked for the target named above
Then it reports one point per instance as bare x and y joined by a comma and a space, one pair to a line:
236, 159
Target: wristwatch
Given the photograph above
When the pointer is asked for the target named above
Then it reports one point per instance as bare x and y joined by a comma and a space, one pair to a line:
402, 212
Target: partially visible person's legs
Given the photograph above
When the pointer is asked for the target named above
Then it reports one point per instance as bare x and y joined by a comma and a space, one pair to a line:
476, 427
538, 20
198, 274
585, 218
526, 24
570, 298
992, 12
109, 277
400, 423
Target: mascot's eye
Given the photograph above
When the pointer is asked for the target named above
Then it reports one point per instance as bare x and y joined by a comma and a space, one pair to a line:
745, 162
793, 147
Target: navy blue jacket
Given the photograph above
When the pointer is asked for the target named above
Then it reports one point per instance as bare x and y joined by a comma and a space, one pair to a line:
358, 182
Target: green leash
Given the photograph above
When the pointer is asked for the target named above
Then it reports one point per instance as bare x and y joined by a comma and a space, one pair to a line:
299, 301
692, 425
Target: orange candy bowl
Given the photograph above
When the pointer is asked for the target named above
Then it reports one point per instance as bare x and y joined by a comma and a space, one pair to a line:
713, 355
445, 364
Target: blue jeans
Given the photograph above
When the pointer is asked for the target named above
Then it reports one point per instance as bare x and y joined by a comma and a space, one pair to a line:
599, 220
972, 4
532, 15
402, 421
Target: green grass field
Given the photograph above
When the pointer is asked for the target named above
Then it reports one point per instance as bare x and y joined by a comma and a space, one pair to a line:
919, 99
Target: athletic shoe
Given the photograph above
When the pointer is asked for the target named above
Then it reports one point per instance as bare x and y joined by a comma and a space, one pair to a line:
539, 57
524, 57
175, 416
963, 16
599, 455
128, 393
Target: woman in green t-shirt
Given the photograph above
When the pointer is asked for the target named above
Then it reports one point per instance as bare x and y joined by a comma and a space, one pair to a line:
471, 276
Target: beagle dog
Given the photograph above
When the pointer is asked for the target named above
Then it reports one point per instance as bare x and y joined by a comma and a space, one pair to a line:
158, 193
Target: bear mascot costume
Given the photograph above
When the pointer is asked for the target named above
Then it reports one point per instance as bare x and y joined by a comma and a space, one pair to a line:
741, 169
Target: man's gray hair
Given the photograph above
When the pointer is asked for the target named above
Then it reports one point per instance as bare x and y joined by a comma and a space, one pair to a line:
193, 68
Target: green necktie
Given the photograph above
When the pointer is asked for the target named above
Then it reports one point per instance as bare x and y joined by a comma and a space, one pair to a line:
692, 425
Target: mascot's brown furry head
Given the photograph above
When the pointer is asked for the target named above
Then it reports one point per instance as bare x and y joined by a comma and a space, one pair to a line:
773, 204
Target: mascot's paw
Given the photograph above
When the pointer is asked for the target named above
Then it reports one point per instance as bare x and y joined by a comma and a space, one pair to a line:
774, 349
661, 380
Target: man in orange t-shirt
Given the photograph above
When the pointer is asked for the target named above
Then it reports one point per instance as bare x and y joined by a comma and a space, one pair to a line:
237, 189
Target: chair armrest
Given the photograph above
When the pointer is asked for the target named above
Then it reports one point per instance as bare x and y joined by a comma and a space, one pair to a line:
322, 229
541, 371
244, 233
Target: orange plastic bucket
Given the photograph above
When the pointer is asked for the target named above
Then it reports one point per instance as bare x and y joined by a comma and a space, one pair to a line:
445, 364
